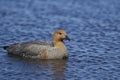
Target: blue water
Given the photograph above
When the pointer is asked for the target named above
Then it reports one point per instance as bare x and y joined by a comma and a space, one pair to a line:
92, 25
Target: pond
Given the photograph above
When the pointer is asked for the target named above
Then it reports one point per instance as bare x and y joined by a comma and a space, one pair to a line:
92, 25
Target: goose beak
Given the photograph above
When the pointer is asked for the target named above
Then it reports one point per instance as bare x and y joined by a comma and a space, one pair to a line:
67, 38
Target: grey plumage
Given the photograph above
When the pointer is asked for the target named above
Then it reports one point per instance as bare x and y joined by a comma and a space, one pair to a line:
35, 49
40, 49
27, 49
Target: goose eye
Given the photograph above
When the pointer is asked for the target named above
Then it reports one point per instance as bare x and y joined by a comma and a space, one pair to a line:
60, 33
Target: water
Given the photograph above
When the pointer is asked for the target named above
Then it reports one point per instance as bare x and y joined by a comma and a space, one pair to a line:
92, 25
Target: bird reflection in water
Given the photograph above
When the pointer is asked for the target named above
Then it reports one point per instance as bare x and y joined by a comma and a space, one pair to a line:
54, 69
58, 67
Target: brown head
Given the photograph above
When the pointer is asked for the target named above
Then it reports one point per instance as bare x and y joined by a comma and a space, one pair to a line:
58, 38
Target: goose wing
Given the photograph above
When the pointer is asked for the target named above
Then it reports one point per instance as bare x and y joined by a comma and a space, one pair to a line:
29, 49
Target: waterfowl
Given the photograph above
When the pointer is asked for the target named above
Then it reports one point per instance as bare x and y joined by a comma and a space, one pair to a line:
41, 49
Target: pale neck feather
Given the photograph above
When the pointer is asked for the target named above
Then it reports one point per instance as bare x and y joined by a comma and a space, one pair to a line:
59, 44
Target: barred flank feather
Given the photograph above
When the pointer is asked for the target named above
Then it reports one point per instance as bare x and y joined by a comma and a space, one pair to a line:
40, 49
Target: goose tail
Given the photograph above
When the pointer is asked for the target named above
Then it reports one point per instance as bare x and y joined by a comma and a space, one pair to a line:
5, 47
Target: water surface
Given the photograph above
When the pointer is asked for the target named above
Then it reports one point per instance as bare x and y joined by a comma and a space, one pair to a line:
92, 25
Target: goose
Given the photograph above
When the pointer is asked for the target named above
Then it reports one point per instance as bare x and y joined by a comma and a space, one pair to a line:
41, 49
